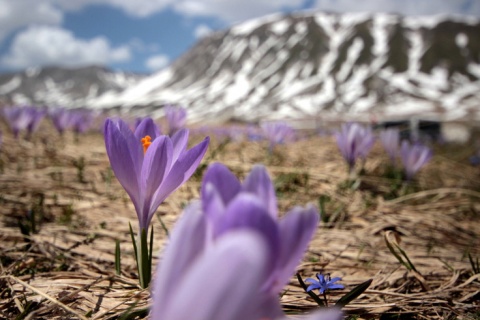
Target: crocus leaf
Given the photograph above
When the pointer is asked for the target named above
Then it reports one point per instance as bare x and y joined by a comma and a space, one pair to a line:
144, 270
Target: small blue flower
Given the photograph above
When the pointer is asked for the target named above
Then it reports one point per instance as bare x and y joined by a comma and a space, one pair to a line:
324, 283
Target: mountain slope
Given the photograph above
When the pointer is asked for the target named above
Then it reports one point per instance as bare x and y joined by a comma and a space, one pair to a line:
312, 64
62, 86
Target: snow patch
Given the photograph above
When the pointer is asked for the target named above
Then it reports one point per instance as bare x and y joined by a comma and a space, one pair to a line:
11, 85
461, 40
417, 22
249, 26
238, 90
352, 55
32, 72
280, 27
301, 27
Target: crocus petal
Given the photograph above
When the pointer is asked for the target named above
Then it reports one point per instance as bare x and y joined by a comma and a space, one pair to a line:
421, 156
354, 141
147, 127
188, 239
207, 287
390, 139
223, 180
414, 157
157, 161
180, 141
181, 171
213, 205
296, 231
189, 160
126, 157
258, 182
366, 143
247, 212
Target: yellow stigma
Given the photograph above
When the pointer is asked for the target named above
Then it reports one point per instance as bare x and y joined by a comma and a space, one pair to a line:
146, 142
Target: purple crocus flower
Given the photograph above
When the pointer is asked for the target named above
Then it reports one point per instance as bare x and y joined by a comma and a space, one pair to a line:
200, 261
324, 283
18, 118
354, 141
390, 139
196, 269
414, 157
253, 133
150, 166
61, 118
81, 120
37, 116
176, 118
277, 133
230, 205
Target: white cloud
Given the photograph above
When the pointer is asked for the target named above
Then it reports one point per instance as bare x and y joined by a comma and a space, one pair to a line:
17, 14
139, 45
46, 45
406, 7
202, 30
225, 10
234, 10
157, 62
137, 8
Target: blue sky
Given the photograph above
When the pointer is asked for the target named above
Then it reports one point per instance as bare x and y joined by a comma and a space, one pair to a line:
146, 35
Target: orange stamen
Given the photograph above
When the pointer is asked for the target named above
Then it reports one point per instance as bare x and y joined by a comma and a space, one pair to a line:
146, 142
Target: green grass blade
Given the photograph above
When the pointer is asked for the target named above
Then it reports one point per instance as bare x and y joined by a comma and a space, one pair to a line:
352, 295
118, 269
164, 227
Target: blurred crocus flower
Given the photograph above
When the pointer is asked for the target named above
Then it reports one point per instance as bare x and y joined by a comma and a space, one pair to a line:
81, 120
176, 118
61, 118
197, 271
253, 133
37, 115
231, 205
414, 157
277, 133
150, 167
219, 258
390, 139
18, 118
354, 141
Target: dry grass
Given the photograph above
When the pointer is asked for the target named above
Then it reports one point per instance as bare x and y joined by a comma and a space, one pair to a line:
66, 269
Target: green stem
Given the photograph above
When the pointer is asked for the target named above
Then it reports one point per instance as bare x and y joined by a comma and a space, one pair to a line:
143, 256
144, 266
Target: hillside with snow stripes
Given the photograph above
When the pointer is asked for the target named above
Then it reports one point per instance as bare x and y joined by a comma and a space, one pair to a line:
307, 65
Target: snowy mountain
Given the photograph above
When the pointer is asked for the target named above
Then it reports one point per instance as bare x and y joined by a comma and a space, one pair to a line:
299, 66
318, 64
63, 87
